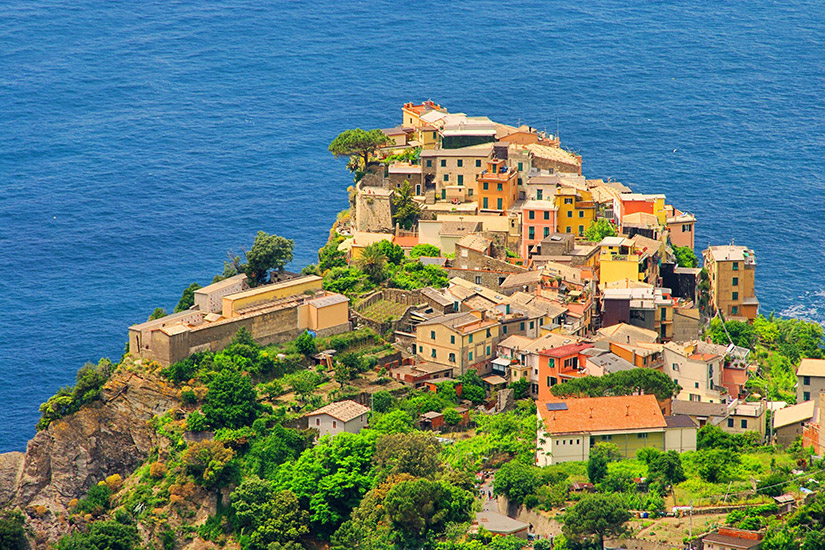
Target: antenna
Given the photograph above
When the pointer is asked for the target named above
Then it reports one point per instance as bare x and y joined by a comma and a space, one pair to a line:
557, 128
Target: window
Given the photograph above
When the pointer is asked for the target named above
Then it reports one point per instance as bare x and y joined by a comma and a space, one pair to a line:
443, 163
531, 214
734, 310
607, 437
743, 424
735, 281
460, 179
581, 230
546, 215
730, 422
675, 367
478, 282
806, 380
532, 324
488, 350
735, 266
641, 436
460, 163
568, 229
504, 329
664, 314
484, 202
538, 194
413, 348
569, 213
452, 358
446, 177
470, 339
317, 421
521, 326
806, 396
452, 338
531, 232
334, 424
484, 186
696, 384
432, 335
546, 232
429, 163
488, 335
498, 204
520, 167
435, 135
499, 187
553, 381
432, 354
734, 295
469, 192
568, 200
581, 213
470, 356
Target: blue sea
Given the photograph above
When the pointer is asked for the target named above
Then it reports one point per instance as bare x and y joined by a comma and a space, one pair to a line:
142, 141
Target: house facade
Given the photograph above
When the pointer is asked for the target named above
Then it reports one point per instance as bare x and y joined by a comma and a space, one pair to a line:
343, 416
732, 271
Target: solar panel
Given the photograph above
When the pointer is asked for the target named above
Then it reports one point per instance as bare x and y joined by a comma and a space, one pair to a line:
556, 406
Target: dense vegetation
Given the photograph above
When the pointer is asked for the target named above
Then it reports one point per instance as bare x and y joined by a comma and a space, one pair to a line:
630, 382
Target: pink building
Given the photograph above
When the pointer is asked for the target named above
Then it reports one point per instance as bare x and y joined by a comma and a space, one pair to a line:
681, 226
538, 221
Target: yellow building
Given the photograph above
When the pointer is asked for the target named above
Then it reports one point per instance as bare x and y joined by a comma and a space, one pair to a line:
234, 303
732, 272
411, 113
576, 210
462, 341
619, 260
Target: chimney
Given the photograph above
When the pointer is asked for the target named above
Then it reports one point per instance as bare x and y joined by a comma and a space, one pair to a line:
591, 412
627, 412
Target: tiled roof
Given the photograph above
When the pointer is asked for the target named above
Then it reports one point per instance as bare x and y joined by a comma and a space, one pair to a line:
566, 351
603, 414
811, 367
797, 413
475, 242
342, 410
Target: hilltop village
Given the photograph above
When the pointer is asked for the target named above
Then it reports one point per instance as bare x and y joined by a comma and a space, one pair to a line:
493, 351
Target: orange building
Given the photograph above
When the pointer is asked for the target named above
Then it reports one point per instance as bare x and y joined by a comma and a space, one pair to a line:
559, 364
497, 187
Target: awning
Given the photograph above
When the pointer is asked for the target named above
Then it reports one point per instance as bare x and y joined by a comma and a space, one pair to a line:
501, 361
494, 380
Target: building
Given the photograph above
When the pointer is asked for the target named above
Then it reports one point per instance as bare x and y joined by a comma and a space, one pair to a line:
734, 417
619, 259
343, 416
731, 270
681, 226
699, 374
443, 234
626, 334
648, 204
475, 264
501, 525
570, 428
576, 210
497, 187
272, 313
554, 159
726, 538
419, 374
210, 298
645, 307
788, 423
453, 171
538, 219
462, 341
559, 364
810, 379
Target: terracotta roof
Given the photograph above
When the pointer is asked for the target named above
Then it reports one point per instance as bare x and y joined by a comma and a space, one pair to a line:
603, 414
342, 410
623, 333
553, 153
406, 241
565, 351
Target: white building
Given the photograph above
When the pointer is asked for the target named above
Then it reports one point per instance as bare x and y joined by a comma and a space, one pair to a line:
343, 416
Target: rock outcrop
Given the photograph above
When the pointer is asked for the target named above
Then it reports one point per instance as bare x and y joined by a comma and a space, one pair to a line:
109, 436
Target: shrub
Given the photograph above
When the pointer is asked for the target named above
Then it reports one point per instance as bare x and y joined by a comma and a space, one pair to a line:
96, 500
207, 461
196, 422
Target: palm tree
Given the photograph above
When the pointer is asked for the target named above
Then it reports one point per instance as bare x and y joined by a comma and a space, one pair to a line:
372, 262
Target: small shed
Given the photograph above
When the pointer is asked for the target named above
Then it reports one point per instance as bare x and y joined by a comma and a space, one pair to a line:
786, 503
499, 524
582, 487
431, 420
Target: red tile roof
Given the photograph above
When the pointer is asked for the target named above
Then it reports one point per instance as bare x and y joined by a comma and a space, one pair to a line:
603, 414
565, 351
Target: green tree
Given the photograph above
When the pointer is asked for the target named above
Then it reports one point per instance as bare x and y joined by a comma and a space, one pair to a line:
157, 314
630, 382
663, 468
305, 344
303, 384
382, 401
329, 256
187, 299
451, 416
268, 515
344, 279
427, 250
393, 422
520, 387
372, 262
102, 535
268, 252
714, 465
231, 401
12, 531
393, 252
516, 481
359, 143
600, 455
599, 229
208, 461
415, 453
407, 211
596, 516
685, 256
741, 333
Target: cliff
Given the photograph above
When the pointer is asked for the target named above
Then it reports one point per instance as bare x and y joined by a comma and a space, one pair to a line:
108, 436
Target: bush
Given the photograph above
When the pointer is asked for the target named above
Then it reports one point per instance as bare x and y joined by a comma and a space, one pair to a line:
96, 500
207, 461
90, 380
196, 422
231, 401
12, 531
382, 401
451, 417
305, 344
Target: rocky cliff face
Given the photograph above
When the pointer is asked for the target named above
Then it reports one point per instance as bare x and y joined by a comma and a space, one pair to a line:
109, 436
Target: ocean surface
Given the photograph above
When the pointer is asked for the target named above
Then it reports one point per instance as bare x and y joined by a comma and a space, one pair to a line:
142, 141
